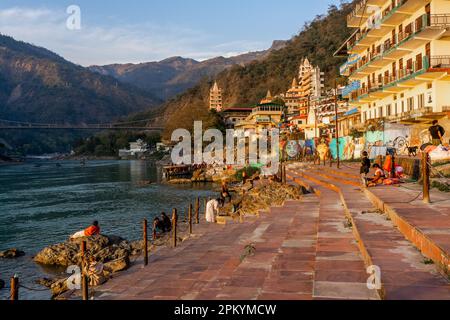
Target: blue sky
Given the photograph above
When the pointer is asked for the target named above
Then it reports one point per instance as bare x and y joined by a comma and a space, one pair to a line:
119, 31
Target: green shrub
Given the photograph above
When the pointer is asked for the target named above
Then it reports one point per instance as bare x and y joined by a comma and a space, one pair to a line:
250, 171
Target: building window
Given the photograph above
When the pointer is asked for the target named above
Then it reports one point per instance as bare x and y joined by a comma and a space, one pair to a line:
380, 112
410, 104
388, 110
421, 101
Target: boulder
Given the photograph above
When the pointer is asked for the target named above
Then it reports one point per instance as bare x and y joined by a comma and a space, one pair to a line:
180, 181
117, 265
59, 287
104, 248
11, 253
46, 282
56, 286
137, 247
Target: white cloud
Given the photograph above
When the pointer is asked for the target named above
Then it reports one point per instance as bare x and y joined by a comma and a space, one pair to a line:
95, 44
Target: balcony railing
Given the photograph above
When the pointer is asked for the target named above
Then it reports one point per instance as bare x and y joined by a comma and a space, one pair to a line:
400, 75
358, 8
410, 30
440, 20
440, 62
410, 114
433, 20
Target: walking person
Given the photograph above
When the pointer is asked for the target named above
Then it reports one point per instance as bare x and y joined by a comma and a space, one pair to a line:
365, 167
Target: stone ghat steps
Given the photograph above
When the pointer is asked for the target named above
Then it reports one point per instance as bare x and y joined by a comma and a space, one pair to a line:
426, 226
298, 251
404, 273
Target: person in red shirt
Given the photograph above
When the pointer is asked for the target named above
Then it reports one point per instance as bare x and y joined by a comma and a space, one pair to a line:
92, 230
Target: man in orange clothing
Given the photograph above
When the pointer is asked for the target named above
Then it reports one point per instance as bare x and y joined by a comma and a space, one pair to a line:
92, 230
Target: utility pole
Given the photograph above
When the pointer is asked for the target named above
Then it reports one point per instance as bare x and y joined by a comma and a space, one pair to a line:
315, 129
426, 177
337, 124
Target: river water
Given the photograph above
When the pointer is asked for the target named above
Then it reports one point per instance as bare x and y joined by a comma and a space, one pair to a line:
43, 202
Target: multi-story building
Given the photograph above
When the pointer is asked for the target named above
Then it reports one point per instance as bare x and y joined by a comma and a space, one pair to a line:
263, 116
137, 149
399, 60
215, 98
307, 85
348, 122
231, 116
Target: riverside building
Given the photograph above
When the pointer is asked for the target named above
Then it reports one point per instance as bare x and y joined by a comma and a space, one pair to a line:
306, 86
399, 61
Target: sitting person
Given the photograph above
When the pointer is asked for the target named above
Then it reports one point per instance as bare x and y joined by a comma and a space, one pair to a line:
166, 222
92, 230
378, 177
158, 225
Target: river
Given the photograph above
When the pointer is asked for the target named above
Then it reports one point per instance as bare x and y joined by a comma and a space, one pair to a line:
43, 202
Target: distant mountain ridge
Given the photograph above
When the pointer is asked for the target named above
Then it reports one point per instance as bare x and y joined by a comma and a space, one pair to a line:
245, 85
37, 85
170, 77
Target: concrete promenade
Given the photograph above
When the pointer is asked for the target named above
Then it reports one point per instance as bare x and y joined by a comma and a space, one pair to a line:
407, 239
316, 248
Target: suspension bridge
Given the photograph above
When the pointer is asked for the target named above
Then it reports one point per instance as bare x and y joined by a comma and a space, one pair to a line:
134, 125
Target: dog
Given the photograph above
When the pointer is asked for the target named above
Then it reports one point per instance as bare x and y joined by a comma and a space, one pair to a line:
412, 151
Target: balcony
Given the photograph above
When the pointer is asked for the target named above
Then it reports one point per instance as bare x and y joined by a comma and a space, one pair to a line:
393, 15
358, 13
423, 115
440, 62
414, 35
396, 82
440, 20
381, 26
360, 10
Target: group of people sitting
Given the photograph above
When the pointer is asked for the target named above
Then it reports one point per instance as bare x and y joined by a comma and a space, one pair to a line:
380, 176
162, 224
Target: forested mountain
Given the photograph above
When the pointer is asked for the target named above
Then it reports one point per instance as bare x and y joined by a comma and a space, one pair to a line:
247, 85
169, 77
39, 86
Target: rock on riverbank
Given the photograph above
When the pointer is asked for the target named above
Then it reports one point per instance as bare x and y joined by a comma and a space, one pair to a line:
267, 195
113, 251
103, 248
11, 253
